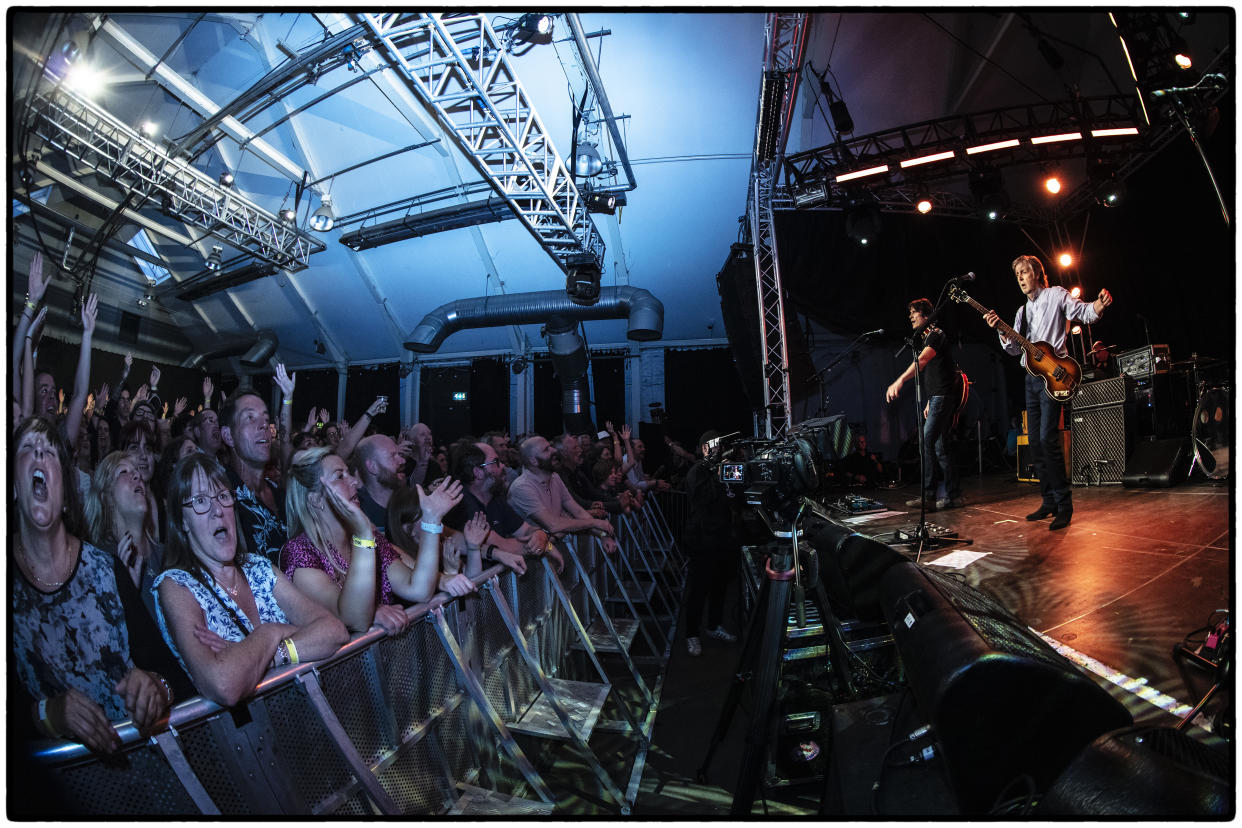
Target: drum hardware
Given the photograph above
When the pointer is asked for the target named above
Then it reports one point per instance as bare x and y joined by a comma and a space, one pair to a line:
1210, 431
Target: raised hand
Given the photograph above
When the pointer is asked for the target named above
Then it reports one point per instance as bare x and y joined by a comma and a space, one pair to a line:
155, 376
60, 395
378, 407
207, 388
38, 282
608, 427
440, 500
310, 420
101, 397
476, 529
164, 413
324, 416
36, 327
625, 432
180, 406
90, 312
139, 396
286, 381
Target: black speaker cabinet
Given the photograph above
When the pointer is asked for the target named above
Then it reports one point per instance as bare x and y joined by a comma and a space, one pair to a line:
1158, 463
1099, 446
1144, 772
850, 567
1003, 704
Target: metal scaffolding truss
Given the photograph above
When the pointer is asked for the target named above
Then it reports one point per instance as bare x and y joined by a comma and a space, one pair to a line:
458, 68
786, 39
102, 143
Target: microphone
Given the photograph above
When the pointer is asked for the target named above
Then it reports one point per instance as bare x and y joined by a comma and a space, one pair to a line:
1212, 81
876, 332
969, 277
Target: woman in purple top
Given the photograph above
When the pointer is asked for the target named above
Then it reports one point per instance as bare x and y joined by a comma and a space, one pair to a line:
335, 554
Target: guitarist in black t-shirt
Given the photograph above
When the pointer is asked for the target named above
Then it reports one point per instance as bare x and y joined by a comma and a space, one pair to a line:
938, 370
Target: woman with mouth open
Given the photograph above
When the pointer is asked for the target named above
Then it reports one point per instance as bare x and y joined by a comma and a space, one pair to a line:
337, 557
73, 651
229, 616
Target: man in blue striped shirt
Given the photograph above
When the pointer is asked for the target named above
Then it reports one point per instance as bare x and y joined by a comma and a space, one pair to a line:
1043, 318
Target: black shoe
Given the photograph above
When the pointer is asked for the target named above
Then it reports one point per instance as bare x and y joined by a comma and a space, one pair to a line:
1041, 513
1060, 521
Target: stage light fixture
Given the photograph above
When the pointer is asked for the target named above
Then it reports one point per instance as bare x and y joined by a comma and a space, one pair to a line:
1112, 192
518, 365
1065, 259
148, 128
1183, 60
214, 259
862, 221
841, 118
1075, 291
323, 220
288, 215
226, 179
85, 80
988, 188
534, 28
922, 199
605, 203
582, 277
588, 162
1052, 184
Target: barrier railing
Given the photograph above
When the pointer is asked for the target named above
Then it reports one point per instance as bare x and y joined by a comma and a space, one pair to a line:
436, 720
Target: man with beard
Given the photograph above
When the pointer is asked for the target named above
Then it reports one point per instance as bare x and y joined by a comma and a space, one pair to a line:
509, 460
260, 505
540, 496
580, 485
379, 464
481, 474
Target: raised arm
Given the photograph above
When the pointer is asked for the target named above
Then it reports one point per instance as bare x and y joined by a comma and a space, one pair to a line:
36, 287
350, 439
82, 378
418, 583
286, 382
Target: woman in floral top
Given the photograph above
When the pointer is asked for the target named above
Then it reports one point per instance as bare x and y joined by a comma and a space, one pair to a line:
229, 618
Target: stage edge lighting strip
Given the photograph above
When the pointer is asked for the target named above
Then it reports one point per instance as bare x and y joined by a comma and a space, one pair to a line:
927, 159
1052, 139
1108, 133
1012, 142
883, 168
1135, 686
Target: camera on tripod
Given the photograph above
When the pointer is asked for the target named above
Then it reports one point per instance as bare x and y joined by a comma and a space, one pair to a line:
769, 474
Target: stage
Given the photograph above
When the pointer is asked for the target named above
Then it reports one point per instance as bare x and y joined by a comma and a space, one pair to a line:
1115, 592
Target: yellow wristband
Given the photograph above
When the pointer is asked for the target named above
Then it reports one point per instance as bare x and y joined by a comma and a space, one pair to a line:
365, 543
292, 650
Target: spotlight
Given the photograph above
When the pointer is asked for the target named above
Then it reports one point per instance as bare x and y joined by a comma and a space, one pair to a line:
322, 220
1183, 60
213, 258
841, 117
922, 200
1065, 259
602, 203
988, 188
588, 162
862, 221
534, 28
84, 80
1113, 192
518, 366
288, 215
1075, 291
148, 128
582, 278
1052, 184
226, 179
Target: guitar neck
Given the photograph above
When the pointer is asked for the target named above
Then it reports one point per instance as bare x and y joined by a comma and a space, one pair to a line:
1003, 328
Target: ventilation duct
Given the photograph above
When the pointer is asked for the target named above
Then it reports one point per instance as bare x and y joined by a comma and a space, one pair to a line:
569, 359
253, 351
645, 314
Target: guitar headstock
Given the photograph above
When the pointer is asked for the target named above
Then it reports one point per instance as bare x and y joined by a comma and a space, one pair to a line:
957, 294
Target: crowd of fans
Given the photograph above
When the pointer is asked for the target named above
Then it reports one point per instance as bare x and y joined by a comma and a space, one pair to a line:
165, 551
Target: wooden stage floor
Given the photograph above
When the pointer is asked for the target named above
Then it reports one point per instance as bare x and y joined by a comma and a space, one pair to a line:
1122, 585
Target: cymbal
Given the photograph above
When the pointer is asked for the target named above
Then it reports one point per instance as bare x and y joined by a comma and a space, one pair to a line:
1197, 362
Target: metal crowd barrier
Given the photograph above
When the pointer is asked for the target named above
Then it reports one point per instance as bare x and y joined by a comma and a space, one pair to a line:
460, 714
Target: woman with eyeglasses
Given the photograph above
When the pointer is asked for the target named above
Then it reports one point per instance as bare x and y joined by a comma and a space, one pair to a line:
74, 653
229, 616
336, 555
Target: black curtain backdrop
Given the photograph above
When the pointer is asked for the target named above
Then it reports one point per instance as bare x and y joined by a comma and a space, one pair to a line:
608, 390
317, 389
489, 395
702, 391
363, 386
447, 418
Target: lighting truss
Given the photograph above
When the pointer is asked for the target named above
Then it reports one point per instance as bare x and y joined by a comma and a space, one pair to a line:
812, 174
785, 42
104, 144
457, 67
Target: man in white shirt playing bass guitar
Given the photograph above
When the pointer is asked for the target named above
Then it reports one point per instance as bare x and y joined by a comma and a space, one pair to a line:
1042, 319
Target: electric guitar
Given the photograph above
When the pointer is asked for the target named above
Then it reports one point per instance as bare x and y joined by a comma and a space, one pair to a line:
1061, 374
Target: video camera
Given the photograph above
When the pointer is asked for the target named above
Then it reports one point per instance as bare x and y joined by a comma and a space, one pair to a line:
769, 474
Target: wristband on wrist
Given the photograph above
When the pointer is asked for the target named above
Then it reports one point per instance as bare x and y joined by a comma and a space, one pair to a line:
488, 553
365, 543
281, 657
288, 402
432, 528
291, 650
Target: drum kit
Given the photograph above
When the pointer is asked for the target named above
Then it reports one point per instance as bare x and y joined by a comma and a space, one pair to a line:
1213, 418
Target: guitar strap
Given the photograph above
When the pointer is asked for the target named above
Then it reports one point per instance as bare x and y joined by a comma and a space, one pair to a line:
1022, 324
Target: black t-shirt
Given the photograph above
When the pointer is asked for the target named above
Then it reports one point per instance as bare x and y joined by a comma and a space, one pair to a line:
939, 375
377, 514
503, 519
709, 524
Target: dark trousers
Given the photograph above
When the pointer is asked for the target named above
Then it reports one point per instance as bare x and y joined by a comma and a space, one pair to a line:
936, 444
707, 582
1042, 416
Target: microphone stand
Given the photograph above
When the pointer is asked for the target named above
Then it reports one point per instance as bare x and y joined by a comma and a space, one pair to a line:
822, 375
1179, 108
